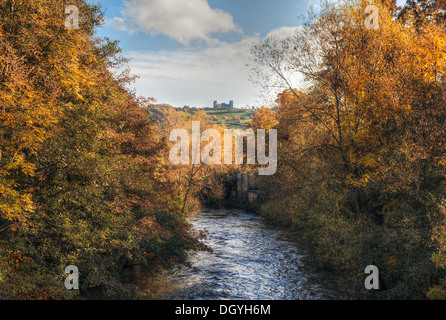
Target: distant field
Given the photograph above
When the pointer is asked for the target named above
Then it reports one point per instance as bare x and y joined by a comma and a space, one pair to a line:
232, 118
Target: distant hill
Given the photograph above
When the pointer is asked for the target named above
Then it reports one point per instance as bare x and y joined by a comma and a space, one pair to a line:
159, 111
232, 118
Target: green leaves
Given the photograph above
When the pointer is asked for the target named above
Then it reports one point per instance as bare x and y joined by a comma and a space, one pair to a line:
81, 178
362, 144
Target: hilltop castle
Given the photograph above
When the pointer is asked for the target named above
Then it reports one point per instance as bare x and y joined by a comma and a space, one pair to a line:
224, 105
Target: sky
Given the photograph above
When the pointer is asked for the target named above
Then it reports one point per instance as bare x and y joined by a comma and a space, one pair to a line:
192, 52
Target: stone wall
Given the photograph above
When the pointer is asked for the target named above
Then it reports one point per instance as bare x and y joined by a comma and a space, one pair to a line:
246, 188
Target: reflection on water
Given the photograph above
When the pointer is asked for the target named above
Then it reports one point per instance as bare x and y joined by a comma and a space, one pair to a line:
251, 260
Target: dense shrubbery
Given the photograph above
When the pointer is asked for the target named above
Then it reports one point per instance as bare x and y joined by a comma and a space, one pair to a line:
84, 174
362, 147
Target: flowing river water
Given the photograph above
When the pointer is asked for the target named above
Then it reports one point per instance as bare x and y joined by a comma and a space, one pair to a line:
251, 260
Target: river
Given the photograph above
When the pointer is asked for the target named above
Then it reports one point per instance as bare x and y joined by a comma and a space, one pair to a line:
251, 260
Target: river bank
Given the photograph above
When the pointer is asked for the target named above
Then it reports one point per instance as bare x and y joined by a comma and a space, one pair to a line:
250, 259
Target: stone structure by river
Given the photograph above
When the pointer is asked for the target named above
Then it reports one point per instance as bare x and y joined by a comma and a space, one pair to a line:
245, 188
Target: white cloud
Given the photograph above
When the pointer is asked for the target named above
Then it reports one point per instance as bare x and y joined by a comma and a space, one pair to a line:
181, 20
196, 78
283, 32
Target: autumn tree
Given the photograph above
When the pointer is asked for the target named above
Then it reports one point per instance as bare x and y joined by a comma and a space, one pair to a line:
82, 172
362, 141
